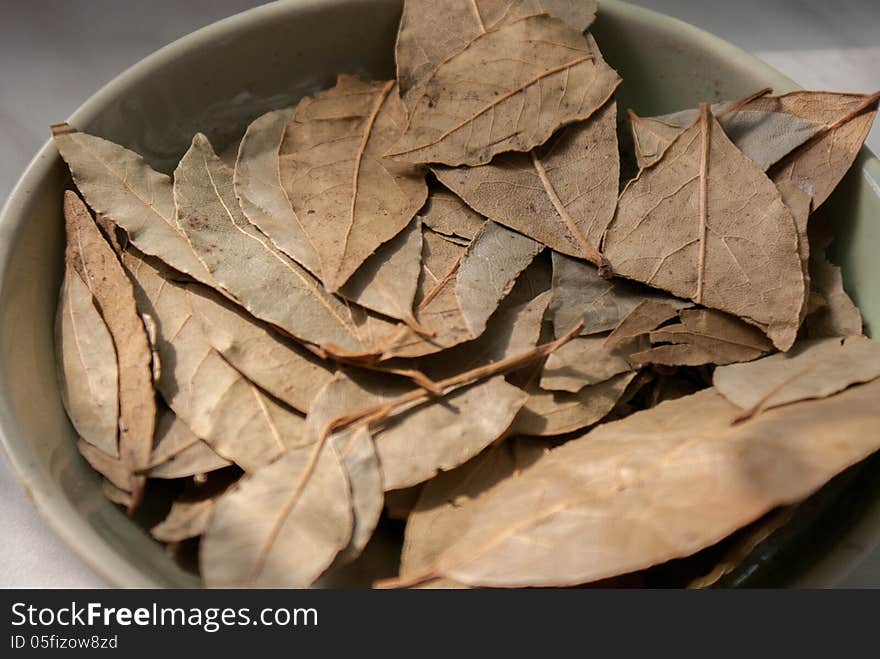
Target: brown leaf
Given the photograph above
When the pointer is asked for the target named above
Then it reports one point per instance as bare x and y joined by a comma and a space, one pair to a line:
231, 414
348, 197
809, 138
704, 336
681, 481
446, 213
387, 281
257, 182
461, 287
178, 452
545, 193
835, 313
109, 466
87, 370
442, 513
509, 90
426, 437
811, 369
95, 261
358, 457
431, 31
118, 183
580, 294
272, 287
297, 513
186, 519
279, 367
117, 495
548, 413
647, 316
586, 360
682, 225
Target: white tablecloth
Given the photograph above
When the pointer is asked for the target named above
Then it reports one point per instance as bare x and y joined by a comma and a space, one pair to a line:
55, 53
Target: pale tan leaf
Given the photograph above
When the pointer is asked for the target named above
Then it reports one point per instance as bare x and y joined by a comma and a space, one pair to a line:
231, 414
280, 527
285, 370
442, 513
704, 336
446, 282
433, 30
683, 225
811, 369
798, 202
509, 90
109, 466
548, 413
118, 183
186, 519
257, 182
117, 495
446, 213
651, 136
835, 313
424, 438
647, 316
580, 294
387, 281
349, 197
586, 360
562, 194
178, 452
272, 287
87, 370
658, 485
488, 271
91, 256
358, 457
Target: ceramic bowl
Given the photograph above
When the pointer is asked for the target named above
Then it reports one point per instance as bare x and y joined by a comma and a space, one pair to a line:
216, 80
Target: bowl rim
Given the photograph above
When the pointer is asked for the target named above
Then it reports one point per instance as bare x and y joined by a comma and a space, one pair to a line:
52, 504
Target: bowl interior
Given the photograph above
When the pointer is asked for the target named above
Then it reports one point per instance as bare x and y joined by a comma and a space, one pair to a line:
217, 80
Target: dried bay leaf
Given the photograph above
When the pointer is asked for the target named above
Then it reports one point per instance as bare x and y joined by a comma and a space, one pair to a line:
809, 138
430, 32
835, 314
442, 513
683, 226
239, 421
509, 90
387, 281
447, 214
186, 519
272, 286
704, 336
109, 466
482, 281
681, 481
647, 316
424, 438
584, 361
349, 198
178, 452
91, 256
548, 413
812, 369
286, 371
118, 183
545, 193
116, 495
257, 183
453, 276
358, 457
87, 368
281, 526
580, 294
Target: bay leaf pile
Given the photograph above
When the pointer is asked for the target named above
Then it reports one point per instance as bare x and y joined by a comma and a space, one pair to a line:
426, 309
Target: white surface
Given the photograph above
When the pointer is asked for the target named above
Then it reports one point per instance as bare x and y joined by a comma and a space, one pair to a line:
55, 53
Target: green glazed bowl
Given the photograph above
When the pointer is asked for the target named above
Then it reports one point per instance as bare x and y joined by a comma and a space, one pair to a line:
216, 80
